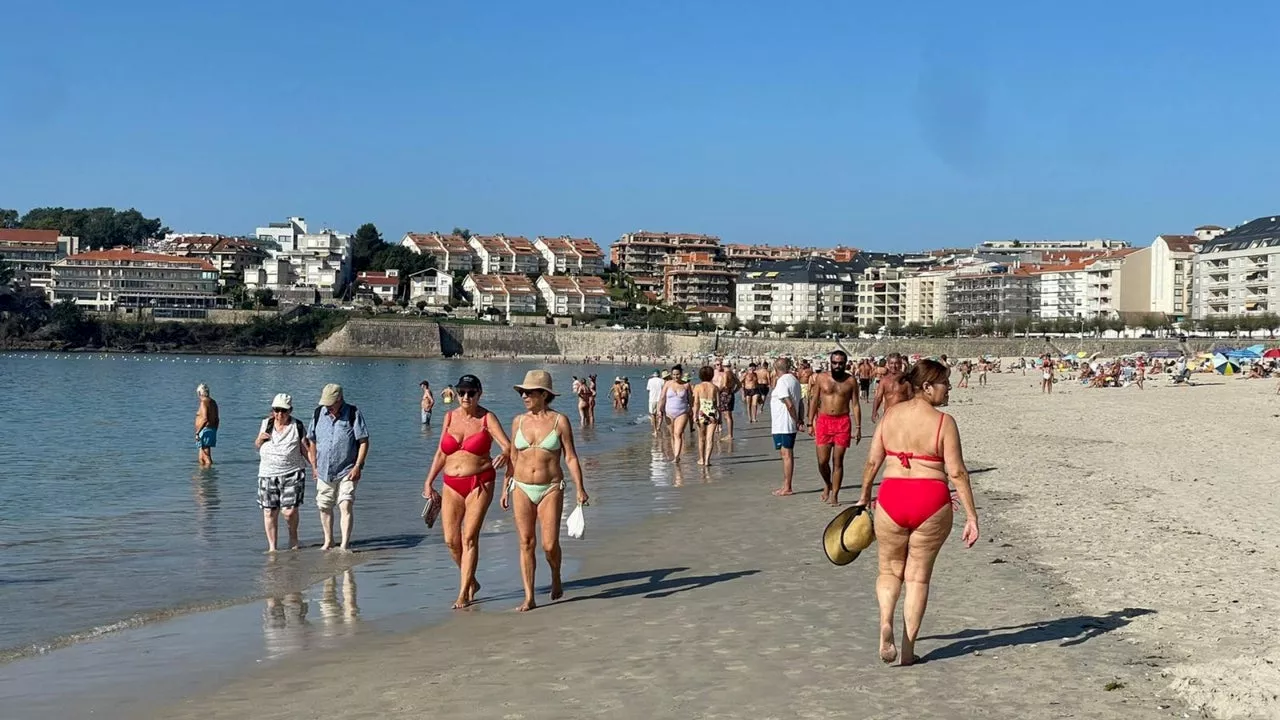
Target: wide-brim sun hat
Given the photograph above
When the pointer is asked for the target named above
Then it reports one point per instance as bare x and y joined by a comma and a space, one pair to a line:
848, 534
537, 380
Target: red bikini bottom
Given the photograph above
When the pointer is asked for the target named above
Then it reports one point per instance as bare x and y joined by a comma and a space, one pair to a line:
911, 501
468, 484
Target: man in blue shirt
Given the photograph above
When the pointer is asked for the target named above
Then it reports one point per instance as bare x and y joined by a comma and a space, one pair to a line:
339, 444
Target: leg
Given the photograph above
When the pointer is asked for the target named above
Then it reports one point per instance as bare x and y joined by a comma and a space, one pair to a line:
549, 512
922, 550
837, 472
347, 518
291, 519
270, 522
477, 504
891, 542
526, 516
824, 469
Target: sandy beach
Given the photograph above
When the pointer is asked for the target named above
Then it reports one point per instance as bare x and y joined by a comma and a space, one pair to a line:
1124, 571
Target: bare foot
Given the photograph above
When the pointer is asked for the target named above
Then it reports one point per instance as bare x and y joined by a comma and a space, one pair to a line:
781, 492
888, 651
527, 605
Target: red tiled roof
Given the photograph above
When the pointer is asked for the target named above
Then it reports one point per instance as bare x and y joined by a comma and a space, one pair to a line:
21, 235
122, 255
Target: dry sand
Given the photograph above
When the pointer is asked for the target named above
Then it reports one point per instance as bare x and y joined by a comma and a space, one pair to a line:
1103, 587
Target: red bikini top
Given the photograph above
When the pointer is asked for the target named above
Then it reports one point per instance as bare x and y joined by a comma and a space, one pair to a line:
906, 457
477, 443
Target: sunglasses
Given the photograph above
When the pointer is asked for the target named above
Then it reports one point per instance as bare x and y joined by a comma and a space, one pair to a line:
468, 393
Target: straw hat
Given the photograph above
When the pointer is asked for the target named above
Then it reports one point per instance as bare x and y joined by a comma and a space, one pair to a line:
848, 534
537, 380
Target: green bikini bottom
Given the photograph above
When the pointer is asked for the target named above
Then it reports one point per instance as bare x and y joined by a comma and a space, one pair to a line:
535, 493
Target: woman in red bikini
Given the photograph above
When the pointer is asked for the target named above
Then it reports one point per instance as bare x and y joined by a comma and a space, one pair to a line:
913, 511
465, 443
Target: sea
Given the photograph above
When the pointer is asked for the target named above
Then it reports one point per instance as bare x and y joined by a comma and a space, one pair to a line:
131, 577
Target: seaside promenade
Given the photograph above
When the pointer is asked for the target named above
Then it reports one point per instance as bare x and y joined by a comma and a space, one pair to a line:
728, 609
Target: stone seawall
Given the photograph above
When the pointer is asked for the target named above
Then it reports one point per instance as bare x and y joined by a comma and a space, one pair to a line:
383, 338
413, 338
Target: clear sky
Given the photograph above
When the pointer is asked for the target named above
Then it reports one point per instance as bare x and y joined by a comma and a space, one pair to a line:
889, 126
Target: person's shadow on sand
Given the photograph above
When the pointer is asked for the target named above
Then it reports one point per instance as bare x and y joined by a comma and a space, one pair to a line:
655, 583
1071, 630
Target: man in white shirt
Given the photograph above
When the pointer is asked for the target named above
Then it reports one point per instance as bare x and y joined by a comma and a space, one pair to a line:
654, 386
784, 419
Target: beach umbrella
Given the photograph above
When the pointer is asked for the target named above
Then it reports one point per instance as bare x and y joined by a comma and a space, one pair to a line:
1224, 365
1272, 353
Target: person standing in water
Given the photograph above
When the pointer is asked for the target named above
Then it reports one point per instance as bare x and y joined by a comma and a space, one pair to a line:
834, 402
206, 426
542, 442
428, 402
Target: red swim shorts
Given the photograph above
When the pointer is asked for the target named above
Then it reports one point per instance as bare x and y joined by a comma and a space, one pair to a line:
832, 430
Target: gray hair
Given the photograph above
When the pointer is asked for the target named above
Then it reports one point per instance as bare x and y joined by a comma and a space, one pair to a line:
202, 390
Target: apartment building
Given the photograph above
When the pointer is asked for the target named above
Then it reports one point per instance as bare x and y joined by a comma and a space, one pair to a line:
498, 254
692, 279
975, 297
452, 253
813, 289
508, 294
432, 286
231, 256
383, 285
123, 278
32, 253
1238, 271
575, 295
1171, 258
320, 260
566, 255
645, 253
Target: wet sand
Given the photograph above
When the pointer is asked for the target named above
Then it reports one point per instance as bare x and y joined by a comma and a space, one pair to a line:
1088, 595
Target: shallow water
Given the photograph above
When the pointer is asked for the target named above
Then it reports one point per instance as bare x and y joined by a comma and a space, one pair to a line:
116, 544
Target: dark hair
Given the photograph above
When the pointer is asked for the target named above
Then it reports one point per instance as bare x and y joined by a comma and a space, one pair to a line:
705, 373
841, 353
926, 372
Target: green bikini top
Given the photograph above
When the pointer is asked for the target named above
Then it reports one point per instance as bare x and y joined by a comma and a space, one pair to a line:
550, 443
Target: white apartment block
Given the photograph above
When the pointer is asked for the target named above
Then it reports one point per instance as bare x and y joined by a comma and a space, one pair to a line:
321, 260
570, 295
812, 290
570, 256
499, 254
1238, 272
451, 252
434, 287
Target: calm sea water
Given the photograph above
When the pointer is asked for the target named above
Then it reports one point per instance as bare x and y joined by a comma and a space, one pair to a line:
115, 546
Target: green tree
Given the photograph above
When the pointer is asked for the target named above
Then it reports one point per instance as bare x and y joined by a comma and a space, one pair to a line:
9, 218
366, 243
734, 324
754, 326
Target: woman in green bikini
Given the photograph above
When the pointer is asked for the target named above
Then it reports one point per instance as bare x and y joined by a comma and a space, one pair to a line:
543, 444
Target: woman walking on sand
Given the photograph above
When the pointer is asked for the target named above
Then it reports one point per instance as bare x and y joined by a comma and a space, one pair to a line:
466, 438
543, 442
913, 511
674, 404
706, 415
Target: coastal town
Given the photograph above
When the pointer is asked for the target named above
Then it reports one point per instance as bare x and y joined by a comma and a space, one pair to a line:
1213, 280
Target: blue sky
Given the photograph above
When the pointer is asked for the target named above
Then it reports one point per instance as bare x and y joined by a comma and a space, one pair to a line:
889, 126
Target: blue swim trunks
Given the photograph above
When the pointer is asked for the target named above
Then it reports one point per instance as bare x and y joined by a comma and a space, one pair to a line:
208, 438
784, 440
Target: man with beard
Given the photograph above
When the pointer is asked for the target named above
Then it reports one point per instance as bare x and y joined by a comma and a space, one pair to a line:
891, 389
835, 398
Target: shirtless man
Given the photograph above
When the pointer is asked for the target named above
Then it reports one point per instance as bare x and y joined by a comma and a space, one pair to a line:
835, 398
891, 388
727, 382
749, 393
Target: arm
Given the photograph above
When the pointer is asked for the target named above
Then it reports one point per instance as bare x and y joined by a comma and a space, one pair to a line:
856, 402
875, 460
953, 458
571, 459
503, 461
